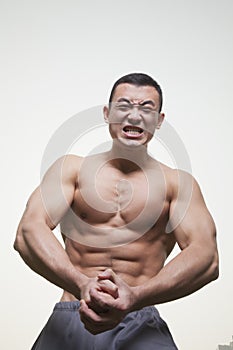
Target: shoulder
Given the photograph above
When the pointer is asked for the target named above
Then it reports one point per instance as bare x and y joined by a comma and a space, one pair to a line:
71, 162
66, 166
179, 181
71, 159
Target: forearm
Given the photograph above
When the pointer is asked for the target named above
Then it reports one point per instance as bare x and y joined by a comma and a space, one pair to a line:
186, 273
44, 254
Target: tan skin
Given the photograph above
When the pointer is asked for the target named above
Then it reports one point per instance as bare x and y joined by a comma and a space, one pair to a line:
114, 276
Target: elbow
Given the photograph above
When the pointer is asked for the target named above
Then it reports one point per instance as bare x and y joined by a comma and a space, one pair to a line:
214, 268
20, 241
215, 273
16, 244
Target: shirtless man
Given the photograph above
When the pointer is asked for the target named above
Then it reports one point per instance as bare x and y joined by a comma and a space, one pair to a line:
121, 213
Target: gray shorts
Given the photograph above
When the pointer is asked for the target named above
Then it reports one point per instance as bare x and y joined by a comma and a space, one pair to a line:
139, 330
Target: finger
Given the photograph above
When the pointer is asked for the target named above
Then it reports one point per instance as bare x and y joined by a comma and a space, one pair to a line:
109, 287
97, 304
104, 301
88, 313
96, 326
83, 306
110, 275
96, 307
100, 324
103, 324
86, 297
107, 274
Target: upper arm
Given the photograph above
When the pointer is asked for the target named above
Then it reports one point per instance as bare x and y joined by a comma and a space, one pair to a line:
190, 220
50, 201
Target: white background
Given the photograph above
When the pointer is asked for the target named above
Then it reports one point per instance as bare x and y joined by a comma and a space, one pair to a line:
60, 57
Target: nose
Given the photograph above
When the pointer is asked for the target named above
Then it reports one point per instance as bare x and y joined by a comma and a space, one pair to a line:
134, 116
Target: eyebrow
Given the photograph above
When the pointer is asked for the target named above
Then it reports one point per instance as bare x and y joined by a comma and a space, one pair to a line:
150, 102
122, 99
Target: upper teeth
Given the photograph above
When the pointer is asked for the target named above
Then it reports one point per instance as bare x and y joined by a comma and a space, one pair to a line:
132, 130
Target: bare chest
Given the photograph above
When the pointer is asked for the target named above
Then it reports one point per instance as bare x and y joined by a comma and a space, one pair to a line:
109, 196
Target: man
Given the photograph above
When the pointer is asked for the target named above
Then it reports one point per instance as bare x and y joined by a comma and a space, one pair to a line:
121, 213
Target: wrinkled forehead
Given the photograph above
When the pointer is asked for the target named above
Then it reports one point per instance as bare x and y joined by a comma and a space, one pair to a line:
136, 94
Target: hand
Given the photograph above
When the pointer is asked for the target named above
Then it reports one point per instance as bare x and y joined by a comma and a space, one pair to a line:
111, 309
100, 322
106, 287
126, 294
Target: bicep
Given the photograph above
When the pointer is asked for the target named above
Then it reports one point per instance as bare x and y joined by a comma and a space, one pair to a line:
50, 201
190, 219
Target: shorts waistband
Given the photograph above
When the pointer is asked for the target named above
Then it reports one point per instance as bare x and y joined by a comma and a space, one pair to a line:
74, 305
67, 305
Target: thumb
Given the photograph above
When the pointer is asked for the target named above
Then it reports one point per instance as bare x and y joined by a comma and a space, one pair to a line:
110, 275
107, 274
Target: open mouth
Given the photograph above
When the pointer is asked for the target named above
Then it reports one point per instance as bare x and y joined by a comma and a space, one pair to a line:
131, 130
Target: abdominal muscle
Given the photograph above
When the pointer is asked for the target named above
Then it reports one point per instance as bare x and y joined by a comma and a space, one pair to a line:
135, 262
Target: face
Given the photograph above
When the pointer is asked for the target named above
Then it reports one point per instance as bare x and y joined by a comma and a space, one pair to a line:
133, 115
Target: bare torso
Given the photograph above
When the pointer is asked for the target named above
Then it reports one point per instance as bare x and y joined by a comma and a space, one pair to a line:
118, 219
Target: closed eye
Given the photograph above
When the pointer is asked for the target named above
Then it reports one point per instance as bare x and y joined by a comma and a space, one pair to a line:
124, 107
146, 109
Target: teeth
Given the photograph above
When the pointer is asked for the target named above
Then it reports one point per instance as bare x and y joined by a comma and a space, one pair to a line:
133, 131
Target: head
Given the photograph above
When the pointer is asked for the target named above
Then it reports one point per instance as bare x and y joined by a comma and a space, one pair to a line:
134, 110
138, 79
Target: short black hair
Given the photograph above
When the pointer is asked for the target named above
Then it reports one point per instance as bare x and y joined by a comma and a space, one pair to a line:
138, 79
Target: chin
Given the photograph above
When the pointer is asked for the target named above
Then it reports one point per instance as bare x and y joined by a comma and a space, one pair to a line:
131, 142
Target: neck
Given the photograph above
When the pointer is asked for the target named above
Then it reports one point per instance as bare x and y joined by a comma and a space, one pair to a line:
125, 157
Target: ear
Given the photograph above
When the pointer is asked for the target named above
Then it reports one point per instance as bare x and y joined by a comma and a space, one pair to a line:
106, 114
160, 120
